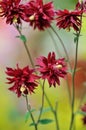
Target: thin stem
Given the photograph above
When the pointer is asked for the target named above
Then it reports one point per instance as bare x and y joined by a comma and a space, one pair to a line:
28, 108
55, 115
25, 45
42, 103
52, 109
63, 47
69, 93
55, 44
29, 55
68, 89
73, 77
73, 88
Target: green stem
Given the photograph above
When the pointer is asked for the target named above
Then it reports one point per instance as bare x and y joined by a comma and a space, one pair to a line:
63, 47
42, 103
28, 108
73, 88
73, 76
55, 44
69, 93
25, 45
55, 115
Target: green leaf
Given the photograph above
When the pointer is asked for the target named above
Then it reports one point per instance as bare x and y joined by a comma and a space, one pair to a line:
27, 115
81, 112
32, 124
75, 39
45, 121
23, 38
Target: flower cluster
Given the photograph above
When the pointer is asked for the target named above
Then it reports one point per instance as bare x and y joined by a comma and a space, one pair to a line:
40, 15
24, 80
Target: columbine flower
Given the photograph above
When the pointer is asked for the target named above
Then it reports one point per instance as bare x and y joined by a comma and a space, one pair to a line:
52, 69
69, 19
12, 10
39, 15
81, 6
23, 80
83, 108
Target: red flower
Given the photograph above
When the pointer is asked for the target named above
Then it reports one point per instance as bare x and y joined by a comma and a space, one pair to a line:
68, 19
12, 10
81, 6
84, 120
52, 69
39, 15
23, 80
83, 108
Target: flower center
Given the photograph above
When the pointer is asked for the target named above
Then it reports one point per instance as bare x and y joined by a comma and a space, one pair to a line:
59, 66
14, 20
22, 89
32, 17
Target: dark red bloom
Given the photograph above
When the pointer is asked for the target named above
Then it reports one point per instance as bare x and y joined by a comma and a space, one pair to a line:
23, 80
12, 10
83, 108
52, 69
69, 19
84, 120
81, 6
39, 15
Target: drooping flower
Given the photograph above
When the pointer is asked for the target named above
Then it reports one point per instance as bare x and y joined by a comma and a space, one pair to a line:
81, 6
24, 80
12, 10
39, 15
69, 19
52, 69
83, 108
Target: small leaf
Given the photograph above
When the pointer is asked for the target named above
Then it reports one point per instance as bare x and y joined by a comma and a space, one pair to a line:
23, 38
32, 124
75, 39
81, 112
27, 115
45, 121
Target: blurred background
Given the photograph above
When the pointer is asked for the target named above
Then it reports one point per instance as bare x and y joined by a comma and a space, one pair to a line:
12, 51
